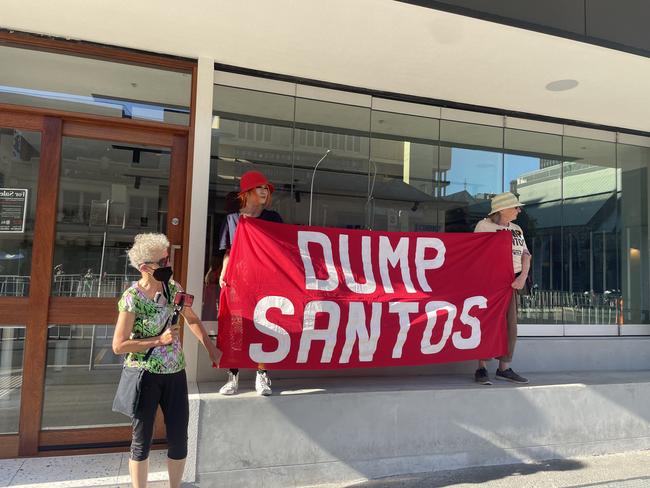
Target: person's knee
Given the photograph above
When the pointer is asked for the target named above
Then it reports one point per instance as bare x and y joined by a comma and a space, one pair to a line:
177, 447
140, 452
140, 448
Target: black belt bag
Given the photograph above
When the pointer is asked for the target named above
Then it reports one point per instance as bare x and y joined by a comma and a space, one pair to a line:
129, 389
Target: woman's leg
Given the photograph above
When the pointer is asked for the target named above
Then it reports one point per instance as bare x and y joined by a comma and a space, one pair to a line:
142, 424
176, 411
504, 361
505, 372
175, 468
139, 470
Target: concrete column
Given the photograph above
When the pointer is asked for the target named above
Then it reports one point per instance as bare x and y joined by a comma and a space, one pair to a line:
200, 188
196, 251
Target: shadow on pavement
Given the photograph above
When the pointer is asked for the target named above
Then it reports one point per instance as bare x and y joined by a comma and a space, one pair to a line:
469, 476
631, 482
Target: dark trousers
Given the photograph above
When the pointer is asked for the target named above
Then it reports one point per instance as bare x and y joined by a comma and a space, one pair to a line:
170, 392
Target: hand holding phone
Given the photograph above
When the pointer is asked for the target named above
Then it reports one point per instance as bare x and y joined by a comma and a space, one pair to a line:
169, 335
182, 299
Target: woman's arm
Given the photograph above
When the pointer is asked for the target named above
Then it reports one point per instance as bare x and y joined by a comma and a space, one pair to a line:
123, 328
520, 280
526, 258
197, 328
226, 257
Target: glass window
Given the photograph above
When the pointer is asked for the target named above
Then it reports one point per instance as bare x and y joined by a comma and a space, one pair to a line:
77, 84
340, 183
404, 179
632, 234
81, 376
585, 200
470, 172
20, 153
533, 172
589, 221
12, 345
250, 130
109, 192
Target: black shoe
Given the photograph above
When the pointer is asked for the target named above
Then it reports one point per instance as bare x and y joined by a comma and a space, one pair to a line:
481, 376
510, 375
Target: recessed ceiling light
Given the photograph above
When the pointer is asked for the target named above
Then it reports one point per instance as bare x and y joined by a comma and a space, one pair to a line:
561, 85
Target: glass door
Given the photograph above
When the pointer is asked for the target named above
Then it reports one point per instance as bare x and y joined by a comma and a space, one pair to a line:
20, 154
73, 194
109, 190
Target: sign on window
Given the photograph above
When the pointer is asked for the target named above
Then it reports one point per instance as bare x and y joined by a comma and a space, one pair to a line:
13, 209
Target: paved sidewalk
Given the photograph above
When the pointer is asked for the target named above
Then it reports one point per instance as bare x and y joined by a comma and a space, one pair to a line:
90, 471
627, 470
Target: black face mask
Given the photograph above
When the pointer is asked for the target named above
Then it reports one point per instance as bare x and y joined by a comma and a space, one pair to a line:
163, 274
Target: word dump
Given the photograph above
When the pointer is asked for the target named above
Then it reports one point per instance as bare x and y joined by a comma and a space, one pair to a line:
410, 258
388, 255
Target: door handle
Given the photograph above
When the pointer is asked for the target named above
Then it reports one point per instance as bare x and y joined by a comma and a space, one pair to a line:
172, 257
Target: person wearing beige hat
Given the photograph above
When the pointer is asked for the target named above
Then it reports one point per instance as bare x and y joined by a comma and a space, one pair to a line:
505, 208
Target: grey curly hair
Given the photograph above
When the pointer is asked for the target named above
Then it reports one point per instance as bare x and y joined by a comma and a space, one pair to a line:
146, 247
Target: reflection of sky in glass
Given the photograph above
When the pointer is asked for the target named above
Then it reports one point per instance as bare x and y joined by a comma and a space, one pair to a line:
129, 108
56, 96
481, 171
474, 171
517, 165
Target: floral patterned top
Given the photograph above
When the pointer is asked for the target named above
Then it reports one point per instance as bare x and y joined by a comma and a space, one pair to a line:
150, 320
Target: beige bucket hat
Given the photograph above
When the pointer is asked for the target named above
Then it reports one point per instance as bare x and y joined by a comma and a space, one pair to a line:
503, 201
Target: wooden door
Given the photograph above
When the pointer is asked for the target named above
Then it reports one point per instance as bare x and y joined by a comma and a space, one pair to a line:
94, 184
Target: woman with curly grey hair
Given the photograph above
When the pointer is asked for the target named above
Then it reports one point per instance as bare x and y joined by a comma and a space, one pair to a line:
143, 333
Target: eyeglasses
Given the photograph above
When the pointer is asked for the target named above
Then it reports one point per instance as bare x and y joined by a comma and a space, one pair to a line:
161, 262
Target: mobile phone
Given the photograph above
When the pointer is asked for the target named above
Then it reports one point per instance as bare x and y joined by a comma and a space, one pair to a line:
182, 299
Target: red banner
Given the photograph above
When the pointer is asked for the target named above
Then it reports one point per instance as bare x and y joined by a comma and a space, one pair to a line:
313, 298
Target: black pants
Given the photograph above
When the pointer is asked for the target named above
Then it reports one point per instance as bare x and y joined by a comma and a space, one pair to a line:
170, 392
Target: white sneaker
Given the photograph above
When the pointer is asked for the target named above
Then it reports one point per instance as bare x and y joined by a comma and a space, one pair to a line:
263, 384
231, 386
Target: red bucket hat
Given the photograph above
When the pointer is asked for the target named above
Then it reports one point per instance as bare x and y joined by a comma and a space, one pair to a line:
253, 179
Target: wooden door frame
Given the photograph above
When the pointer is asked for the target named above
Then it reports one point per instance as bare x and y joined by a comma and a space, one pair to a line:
54, 125
40, 309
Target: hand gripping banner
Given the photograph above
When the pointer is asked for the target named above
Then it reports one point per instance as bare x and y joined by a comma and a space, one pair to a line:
320, 298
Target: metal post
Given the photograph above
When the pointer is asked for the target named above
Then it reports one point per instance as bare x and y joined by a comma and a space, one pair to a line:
311, 188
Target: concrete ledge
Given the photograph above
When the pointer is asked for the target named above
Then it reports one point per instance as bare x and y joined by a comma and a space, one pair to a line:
331, 430
533, 354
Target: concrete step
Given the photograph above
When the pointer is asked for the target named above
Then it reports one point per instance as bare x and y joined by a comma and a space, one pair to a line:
536, 354
336, 430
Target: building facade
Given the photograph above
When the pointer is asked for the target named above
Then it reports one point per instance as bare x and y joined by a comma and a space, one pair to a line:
117, 120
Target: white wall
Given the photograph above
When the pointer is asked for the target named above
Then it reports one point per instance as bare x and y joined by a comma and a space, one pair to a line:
377, 44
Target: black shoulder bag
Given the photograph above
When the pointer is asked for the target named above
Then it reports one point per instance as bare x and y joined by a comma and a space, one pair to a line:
129, 388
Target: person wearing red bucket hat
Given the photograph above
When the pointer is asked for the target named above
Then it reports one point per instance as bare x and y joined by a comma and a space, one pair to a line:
254, 200
505, 208
254, 179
